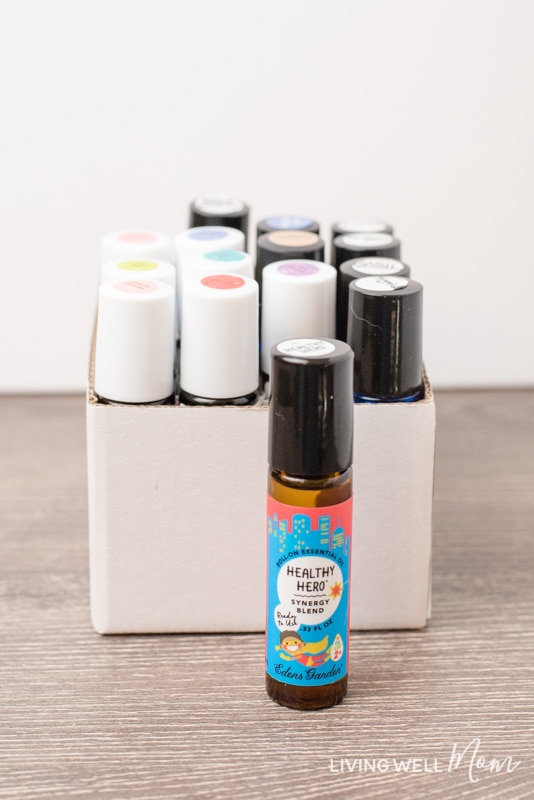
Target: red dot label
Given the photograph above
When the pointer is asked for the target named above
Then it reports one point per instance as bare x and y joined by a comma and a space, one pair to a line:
223, 281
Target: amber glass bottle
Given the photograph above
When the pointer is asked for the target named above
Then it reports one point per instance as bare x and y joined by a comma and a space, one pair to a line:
309, 516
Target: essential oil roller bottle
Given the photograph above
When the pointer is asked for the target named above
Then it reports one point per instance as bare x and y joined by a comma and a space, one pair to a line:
309, 522
219, 350
134, 352
385, 323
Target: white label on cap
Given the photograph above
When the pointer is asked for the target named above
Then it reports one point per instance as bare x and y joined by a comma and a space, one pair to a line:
368, 239
219, 204
378, 266
306, 347
382, 283
361, 226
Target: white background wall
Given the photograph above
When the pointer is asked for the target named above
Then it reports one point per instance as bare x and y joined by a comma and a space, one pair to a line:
116, 113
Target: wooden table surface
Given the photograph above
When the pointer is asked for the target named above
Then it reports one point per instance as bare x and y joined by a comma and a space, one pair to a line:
153, 717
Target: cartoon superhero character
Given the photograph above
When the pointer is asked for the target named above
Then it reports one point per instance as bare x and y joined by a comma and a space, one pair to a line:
310, 654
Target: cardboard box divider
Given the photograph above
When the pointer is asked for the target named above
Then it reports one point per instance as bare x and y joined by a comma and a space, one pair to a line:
177, 516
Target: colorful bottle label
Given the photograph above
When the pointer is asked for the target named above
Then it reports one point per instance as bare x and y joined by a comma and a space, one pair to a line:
297, 268
225, 255
308, 580
136, 237
137, 266
207, 234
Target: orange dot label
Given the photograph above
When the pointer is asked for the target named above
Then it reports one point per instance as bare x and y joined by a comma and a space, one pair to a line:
223, 281
293, 238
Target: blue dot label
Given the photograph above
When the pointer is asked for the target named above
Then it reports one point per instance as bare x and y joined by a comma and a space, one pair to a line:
207, 234
289, 222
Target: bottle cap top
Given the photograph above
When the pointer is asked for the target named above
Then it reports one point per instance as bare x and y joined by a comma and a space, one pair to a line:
142, 269
373, 265
299, 299
361, 225
134, 357
355, 245
230, 261
385, 331
311, 408
281, 245
293, 238
136, 244
218, 205
208, 237
219, 342
289, 222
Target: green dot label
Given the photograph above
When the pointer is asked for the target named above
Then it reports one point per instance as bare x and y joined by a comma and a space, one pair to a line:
224, 255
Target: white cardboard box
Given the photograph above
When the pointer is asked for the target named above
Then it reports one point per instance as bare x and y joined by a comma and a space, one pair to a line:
177, 516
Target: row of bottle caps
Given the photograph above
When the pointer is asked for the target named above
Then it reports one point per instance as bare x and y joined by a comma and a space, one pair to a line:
226, 311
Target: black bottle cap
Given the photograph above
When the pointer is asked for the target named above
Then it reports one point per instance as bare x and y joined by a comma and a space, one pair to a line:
385, 331
281, 245
218, 209
286, 222
311, 407
361, 268
357, 245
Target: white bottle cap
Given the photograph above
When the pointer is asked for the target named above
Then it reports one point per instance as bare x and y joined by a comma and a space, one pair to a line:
134, 358
122, 245
219, 344
194, 242
299, 300
139, 269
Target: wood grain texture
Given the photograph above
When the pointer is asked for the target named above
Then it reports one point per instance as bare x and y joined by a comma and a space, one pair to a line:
154, 717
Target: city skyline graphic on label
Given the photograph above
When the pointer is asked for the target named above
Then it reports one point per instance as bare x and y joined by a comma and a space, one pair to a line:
292, 534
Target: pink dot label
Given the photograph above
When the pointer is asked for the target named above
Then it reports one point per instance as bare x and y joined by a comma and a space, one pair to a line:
298, 268
136, 237
223, 281
136, 287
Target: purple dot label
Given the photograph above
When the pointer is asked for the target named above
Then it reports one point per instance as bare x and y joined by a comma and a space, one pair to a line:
207, 234
298, 268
